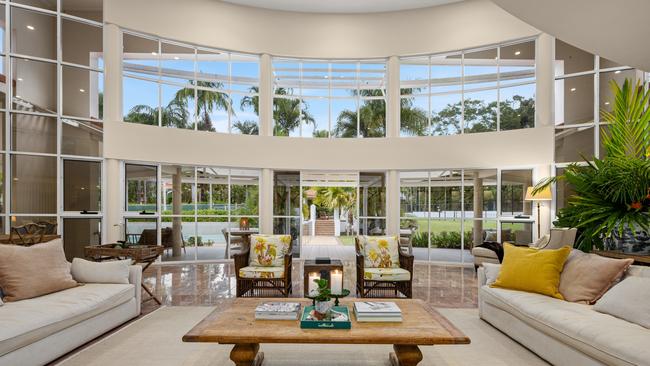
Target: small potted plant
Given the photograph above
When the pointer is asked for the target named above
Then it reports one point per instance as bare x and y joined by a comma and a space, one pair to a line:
322, 302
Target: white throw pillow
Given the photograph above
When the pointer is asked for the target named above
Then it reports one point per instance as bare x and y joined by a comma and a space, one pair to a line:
100, 272
491, 272
628, 300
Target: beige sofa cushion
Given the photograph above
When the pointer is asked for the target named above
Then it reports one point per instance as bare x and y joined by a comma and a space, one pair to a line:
628, 300
27, 272
27, 321
605, 338
586, 277
100, 272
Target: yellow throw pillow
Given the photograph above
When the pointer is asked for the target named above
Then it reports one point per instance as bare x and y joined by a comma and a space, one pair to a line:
532, 270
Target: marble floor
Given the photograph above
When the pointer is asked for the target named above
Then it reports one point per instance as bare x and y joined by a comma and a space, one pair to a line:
448, 286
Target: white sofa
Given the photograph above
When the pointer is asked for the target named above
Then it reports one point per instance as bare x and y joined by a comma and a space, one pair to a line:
565, 333
39, 330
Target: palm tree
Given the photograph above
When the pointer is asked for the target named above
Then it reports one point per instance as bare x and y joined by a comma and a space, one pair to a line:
173, 115
343, 198
253, 101
247, 127
287, 113
207, 101
321, 134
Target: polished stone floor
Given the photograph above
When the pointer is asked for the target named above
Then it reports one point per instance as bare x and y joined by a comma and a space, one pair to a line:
450, 286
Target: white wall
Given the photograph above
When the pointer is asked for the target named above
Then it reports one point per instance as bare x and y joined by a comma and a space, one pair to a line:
213, 23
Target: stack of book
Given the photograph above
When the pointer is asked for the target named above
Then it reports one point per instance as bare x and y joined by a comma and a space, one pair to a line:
375, 311
277, 311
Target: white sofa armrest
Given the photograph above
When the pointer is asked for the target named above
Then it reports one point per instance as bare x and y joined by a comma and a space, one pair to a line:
135, 278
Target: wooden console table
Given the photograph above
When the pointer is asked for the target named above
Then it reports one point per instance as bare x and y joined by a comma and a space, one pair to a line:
641, 260
140, 254
236, 325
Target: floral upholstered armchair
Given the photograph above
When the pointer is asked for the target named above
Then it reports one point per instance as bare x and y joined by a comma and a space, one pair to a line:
383, 270
265, 268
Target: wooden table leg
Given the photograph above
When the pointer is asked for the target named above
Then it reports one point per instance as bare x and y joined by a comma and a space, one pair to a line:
405, 355
147, 289
246, 354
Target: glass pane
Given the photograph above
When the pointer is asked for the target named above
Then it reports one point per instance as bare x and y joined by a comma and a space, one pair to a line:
563, 191
35, 85
82, 185
286, 116
517, 107
445, 240
605, 88
478, 232
2, 131
288, 226
286, 77
446, 72
517, 63
177, 106
372, 194
520, 233
33, 133
140, 55
414, 76
211, 238
2, 186
34, 33
245, 73
49, 221
480, 194
213, 107
45, 4
286, 193
574, 100
414, 116
140, 101
212, 191
344, 117
79, 233
213, 70
81, 137
445, 194
480, 69
372, 118
177, 187
33, 184
81, 43
315, 117
343, 80
141, 231
245, 119
513, 191
571, 144
372, 79
92, 10
141, 187
83, 93
178, 236
244, 192
3, 24
372, 226
177, 63
446, 113
480, 111
569, 59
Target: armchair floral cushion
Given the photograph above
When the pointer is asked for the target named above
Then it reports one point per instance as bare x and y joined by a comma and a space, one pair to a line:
269, 250
380, 251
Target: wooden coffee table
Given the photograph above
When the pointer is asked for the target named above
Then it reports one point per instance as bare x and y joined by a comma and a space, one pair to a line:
421, 326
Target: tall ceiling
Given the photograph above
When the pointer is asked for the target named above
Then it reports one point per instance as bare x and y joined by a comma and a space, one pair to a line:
341, 6
616, 30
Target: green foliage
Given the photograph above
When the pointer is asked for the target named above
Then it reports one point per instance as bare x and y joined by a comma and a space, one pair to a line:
443, 239
198, 242
323, 290
613, 193
247, 127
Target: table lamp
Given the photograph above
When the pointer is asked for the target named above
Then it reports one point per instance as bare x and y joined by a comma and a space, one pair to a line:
542, 195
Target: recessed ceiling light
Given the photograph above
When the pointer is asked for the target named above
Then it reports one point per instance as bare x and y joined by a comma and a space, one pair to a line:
325, 76
606, 103
573, 89
18, 96
617, 72
154, 53
20, 79
82, 90
30, 27
517, 53
176, 58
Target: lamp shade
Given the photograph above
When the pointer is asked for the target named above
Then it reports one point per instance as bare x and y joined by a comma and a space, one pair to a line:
543, 195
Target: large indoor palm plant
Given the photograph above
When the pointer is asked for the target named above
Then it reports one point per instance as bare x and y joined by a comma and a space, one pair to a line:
612, 194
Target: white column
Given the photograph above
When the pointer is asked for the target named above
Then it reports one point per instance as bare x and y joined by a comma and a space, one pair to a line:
544, 72
266, 201
392, 202
266, 96
392, 97
112, 114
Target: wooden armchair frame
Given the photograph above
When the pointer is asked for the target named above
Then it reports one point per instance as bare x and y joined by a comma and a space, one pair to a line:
374, 289
262, 287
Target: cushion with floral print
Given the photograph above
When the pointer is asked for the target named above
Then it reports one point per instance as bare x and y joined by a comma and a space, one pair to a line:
386, 274
381, 251
261, 272
269, 250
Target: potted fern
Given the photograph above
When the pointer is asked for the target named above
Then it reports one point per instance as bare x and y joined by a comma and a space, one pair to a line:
610, 206
323, 299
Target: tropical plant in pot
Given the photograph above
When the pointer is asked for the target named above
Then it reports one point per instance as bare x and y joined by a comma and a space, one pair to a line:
611, 199
323, 299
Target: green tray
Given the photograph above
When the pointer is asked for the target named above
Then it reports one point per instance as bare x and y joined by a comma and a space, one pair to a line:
306, 323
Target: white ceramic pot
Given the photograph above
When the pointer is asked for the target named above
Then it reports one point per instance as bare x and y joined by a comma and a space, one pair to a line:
323, 307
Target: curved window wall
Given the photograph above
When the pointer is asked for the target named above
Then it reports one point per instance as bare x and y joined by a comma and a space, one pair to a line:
178, 85
329, 99
51, 101
476, 90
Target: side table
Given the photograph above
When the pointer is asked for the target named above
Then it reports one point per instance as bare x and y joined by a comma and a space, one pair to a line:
140, 254
324, 269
